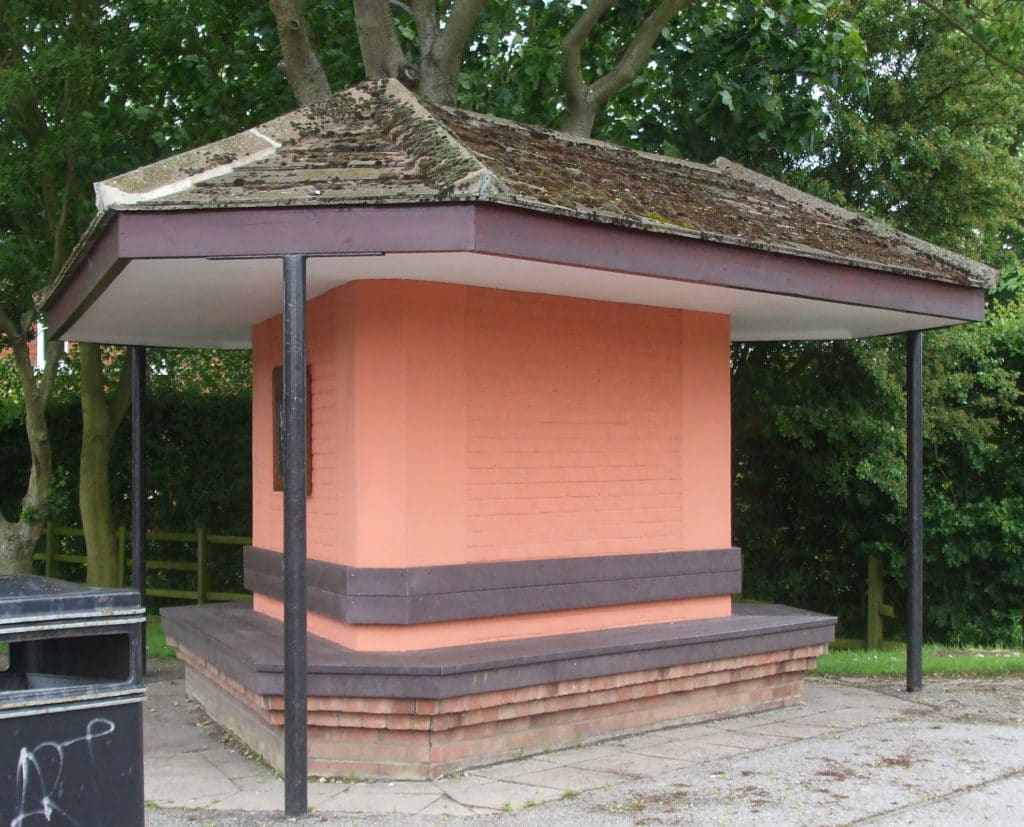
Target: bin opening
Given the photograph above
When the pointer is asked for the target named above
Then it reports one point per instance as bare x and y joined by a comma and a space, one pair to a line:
68, 661
19, 681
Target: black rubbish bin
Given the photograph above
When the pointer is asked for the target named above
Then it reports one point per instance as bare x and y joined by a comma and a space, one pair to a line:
70, 704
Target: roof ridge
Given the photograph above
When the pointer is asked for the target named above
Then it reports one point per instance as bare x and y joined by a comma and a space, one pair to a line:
158, 180
477, 184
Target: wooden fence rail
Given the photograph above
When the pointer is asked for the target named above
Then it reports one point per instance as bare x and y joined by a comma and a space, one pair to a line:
52, 554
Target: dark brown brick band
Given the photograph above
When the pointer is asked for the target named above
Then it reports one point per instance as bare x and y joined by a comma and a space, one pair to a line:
430, 594
248, 648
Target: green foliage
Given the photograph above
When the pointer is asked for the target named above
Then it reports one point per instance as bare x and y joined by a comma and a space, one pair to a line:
935, 146
819, 469
198, 453
819, 450
974, 499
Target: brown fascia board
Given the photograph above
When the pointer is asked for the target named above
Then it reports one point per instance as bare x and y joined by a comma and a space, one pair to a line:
93, 265
525, 234
485, 228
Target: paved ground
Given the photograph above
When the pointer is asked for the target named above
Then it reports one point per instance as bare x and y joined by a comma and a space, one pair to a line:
857, 752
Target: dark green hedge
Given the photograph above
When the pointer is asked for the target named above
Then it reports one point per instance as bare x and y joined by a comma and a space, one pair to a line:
199, 468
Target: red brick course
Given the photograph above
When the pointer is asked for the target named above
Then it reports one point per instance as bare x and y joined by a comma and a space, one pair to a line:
419, 738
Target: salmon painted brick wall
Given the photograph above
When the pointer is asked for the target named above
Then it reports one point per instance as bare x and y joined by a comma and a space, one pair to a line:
454, 424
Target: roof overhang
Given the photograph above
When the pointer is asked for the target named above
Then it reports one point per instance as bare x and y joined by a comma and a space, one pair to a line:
204, 278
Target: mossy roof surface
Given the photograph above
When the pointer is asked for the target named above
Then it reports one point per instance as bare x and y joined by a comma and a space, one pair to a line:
376, 143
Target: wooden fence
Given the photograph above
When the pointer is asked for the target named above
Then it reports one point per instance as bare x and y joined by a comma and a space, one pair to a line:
202, 542
877, 609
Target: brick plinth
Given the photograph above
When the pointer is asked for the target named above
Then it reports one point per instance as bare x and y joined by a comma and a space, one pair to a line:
419, 738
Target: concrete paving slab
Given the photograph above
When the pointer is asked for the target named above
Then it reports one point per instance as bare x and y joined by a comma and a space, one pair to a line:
496, 795
633, 742
447, 807
746, 739
690, 732
690, 752
795, 729
850, 718
571, 779
639, 766
576, 755
268, 795
378, 801
184, 780
512, 769
391, 787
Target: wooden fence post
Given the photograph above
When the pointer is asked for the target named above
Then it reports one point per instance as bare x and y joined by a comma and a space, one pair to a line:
201, 549
876, 608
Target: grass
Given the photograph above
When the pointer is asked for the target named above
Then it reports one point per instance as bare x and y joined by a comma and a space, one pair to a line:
156, 643
936, 660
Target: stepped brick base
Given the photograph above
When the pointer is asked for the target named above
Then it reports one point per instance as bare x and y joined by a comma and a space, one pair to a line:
420, 737
414, 738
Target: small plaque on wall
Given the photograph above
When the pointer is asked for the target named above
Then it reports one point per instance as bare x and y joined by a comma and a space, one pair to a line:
278, 386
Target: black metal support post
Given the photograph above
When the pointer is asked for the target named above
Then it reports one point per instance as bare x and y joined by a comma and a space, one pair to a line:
294, 419
915, 515
139, 369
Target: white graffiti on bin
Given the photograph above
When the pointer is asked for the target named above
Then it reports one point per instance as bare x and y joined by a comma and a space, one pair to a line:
39, 774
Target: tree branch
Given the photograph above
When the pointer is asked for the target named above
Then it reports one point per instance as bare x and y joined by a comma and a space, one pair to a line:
300, 61
584, 101
632, 60
58, 228
441, 49
459, 27
572, 46
378, 41
986, 50
54, 356
424, 13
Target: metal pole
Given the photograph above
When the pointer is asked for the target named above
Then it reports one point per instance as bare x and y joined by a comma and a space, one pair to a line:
139, 369
915, 512
294, 419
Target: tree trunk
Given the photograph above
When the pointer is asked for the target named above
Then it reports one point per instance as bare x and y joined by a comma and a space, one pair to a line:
300, 59
100, 421
18, 537
378, 41
95, 507
437, 85
579, 119
17, 542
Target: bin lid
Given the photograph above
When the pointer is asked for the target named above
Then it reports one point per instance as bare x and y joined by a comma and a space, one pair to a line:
28, 596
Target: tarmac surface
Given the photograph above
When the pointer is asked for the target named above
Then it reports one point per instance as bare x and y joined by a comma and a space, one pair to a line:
855, 752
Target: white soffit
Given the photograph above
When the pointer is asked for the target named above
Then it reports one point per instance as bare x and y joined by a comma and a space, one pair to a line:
215, 303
